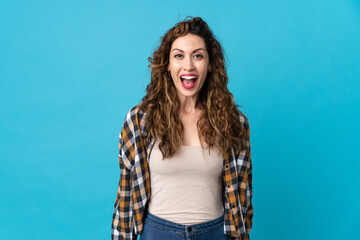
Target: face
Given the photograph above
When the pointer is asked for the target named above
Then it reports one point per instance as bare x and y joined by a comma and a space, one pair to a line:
188, 64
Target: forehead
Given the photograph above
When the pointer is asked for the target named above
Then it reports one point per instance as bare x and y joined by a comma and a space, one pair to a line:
188, 43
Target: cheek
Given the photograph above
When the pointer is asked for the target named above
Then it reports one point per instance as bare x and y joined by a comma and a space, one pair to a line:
175, 66
174, 77
203, 68
204, 73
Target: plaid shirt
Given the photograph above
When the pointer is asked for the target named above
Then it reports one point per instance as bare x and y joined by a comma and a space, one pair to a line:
134, 185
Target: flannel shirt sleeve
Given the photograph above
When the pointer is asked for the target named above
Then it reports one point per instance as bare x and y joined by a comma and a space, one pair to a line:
122, 222
246, 191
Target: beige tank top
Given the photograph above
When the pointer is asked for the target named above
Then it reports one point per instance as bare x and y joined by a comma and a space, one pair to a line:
186, 188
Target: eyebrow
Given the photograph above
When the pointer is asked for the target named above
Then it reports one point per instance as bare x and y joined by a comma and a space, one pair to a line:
193, 51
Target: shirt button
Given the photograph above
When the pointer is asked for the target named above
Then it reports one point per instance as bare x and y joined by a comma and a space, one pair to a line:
226, 166
189, 229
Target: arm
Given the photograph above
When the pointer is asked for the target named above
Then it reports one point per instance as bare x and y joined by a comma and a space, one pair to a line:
248, 197
122, 222
245, 179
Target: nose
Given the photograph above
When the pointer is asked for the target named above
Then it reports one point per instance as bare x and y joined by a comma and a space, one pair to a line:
188, 64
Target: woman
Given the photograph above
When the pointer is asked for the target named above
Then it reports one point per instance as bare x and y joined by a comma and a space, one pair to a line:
188, 137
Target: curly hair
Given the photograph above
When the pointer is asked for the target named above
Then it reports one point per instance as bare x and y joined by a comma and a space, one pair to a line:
219, 123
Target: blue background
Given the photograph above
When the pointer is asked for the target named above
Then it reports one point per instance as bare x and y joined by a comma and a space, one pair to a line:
70, 70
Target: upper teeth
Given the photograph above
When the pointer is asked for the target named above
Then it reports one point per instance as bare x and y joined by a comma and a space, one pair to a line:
188, 77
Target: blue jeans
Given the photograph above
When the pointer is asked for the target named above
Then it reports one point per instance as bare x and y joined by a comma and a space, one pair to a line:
156, 228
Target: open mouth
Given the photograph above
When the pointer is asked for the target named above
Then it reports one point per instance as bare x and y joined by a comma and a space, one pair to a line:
188, 82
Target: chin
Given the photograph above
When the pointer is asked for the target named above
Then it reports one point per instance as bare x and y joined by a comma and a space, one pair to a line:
187, 94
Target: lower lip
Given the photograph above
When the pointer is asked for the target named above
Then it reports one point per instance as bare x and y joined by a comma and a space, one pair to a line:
188, 87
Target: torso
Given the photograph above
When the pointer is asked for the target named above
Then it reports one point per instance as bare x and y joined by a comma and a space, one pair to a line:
187, 187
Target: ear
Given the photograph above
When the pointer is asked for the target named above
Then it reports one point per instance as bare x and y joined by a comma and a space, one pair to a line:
209, 68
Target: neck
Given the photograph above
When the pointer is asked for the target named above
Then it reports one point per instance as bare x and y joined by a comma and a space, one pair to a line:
187, 104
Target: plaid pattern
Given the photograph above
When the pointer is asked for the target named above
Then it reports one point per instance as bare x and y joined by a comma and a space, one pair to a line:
134, 185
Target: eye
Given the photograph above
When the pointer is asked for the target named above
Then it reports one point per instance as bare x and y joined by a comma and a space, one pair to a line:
177, 55
199, 56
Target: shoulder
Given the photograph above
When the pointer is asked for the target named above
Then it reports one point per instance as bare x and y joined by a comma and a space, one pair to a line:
134, 113
135, 119
243, 119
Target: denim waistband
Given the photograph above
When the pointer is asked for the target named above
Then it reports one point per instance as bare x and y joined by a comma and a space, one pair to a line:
187, 229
